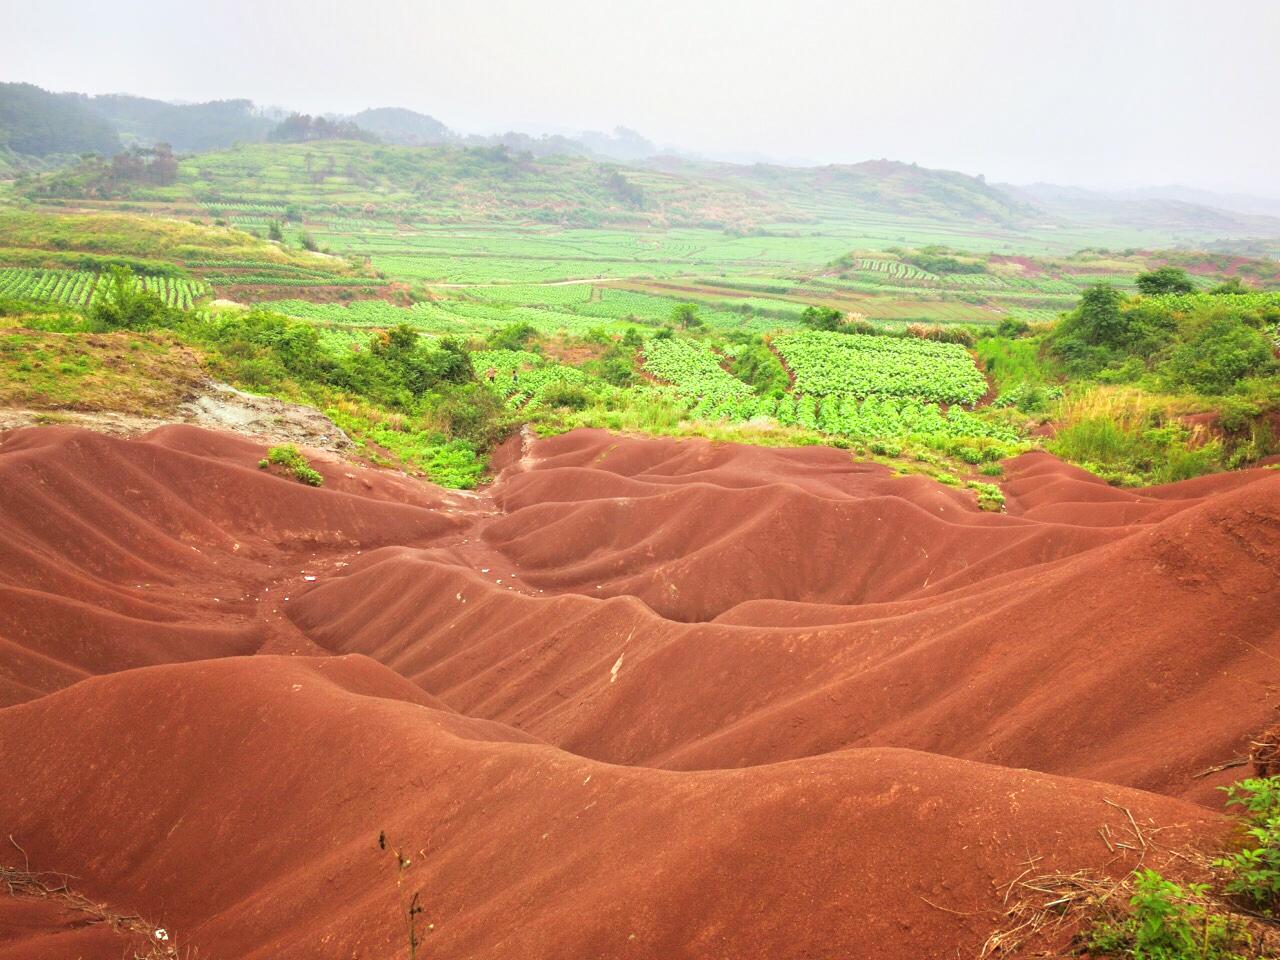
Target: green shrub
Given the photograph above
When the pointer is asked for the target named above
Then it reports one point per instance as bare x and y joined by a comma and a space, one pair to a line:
127, 305
565, 395
1254, 872
989, 495
513, 336
455, 464
1012, 327
758, 366
1222, 351
886, 448
291, 459
1164, 280
822, 318
1169, 922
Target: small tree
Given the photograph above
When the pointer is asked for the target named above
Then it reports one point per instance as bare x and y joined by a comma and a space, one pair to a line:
126, 303
513, 336
822, 318
1232, 286
1164, 280
275, 231
685, 316
1098, 316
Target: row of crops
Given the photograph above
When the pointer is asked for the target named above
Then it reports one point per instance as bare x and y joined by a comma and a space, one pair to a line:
470, 316
693, 369
858, 418
231, 204
865, 365
862, 388
894, 269
897, 275
277, 280
80, 288
522, 377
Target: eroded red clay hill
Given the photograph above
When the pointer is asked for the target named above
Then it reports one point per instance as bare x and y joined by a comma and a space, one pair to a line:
641, 698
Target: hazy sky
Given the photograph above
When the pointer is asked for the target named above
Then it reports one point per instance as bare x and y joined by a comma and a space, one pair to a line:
1090, 92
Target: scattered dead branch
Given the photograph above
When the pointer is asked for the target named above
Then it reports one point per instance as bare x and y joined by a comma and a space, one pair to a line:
1051, 905
1219, 767
1265, 753
1043, 905
147, 941
938, 906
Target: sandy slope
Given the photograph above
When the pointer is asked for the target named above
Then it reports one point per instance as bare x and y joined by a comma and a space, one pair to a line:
642, 698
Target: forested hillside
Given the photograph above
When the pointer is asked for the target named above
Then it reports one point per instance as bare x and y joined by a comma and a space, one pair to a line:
38, 123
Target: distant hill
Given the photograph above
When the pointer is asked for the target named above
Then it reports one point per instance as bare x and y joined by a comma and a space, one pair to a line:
38, 123
886, 186
623, 144
1099, 207
188, 128
463, 183
406, 128
422, 168
1236, 202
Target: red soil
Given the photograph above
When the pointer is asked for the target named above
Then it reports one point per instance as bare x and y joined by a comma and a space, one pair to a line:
642, 697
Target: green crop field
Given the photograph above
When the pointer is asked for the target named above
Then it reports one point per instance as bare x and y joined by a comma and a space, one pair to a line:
692, 369
80, 288
481, 245
825, 363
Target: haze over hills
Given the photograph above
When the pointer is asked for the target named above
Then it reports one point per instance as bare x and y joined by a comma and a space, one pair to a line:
39, 124
1195, 208
1239, 202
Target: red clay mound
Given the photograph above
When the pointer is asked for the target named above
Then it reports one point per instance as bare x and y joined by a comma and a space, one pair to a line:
1012, 642
641, 697
117, 554
245, 798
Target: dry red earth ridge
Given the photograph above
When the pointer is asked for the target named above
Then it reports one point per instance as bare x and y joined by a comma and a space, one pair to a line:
640, 698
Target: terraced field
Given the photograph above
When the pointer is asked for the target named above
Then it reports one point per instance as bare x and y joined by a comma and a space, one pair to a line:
80, 288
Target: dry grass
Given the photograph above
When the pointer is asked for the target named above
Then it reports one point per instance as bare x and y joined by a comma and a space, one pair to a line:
147, 374
1130, 408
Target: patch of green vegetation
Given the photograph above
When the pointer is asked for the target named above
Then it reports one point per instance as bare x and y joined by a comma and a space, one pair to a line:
290, 459
1012, 361
1170, 922
147, 374
1133, 454
990, 497
1253, 872
150, 238
1202, 342
752, 362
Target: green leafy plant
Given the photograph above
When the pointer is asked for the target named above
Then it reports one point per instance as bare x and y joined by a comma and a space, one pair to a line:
291, 459
1169, 922
1254, 872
